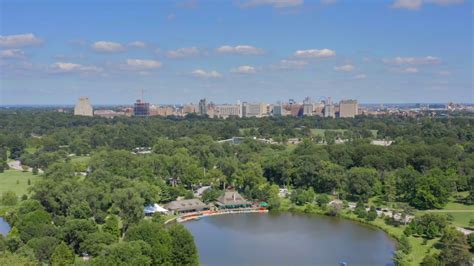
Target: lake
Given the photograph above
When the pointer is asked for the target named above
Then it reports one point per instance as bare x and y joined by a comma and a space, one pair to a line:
288, 239
4, 227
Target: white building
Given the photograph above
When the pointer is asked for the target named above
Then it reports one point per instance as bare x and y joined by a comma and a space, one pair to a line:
254, 109
226, 110
83, 107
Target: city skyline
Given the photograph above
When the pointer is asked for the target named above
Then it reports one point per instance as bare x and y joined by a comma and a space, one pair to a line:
255, 51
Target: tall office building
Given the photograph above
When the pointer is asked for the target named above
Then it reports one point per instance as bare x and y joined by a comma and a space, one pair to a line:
254, 109
308, 109
203, 106
226, 110
348, 108
141, 108
329, 108
83, 107
279, 110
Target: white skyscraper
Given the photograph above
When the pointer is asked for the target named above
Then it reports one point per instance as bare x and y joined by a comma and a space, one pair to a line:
83, 107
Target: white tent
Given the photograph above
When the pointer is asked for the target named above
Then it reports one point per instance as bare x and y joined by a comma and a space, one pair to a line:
150, 209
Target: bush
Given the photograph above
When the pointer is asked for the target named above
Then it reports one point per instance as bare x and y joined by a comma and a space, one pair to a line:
9, 198
372, 214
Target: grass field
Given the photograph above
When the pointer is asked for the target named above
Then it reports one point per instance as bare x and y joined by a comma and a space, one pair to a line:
461, 213
80, 159
320, 131
8, 181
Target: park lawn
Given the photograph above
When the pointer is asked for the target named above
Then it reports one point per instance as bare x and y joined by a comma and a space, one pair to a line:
9, 178
80, 159
461, 213
320, 132
458, 206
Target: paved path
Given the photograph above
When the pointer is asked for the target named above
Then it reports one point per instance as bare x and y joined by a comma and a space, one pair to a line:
16, 165
464, 230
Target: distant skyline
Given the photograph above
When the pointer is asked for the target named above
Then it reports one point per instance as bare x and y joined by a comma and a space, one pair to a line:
397, 51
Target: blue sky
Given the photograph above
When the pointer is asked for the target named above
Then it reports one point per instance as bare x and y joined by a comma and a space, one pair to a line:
52, 52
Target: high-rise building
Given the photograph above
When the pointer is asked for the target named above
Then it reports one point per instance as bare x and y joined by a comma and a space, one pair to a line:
226, 110
254, 109
83, 107
203, 106
279, 110
329, 108
308, 109
348, 108
141, 108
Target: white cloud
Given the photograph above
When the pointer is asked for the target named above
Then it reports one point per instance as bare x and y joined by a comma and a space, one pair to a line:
291, 64
141, 64
240, 49
12, 54
344, 68
417, 4
137, 44
360, 76
407, 4
315, 53
19, 40
244, 70
107, 47
427, 60
410, 70
65, 67
206, 74
183, 52
272, 3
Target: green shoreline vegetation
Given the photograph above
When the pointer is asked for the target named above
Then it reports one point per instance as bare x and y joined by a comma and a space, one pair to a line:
87, 206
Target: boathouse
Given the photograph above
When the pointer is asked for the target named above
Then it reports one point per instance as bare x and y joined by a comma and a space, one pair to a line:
232, 200
187, 205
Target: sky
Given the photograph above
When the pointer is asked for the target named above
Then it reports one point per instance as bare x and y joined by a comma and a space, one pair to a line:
177, 52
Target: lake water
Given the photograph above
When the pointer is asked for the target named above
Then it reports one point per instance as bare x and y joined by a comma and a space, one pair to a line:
288, 239
4, 227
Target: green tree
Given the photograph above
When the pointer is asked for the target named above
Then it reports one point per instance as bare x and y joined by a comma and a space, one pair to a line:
62, 255
75, 231
454, 248
130, 206
43, 247
111, 226
9, 198
363, 182
371, 214
430, 260
183, 249
360, 210
125, 253
155, 236
94, 243
404, 245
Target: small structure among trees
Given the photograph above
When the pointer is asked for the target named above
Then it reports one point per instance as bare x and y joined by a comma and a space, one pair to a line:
187, 205
232, 200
